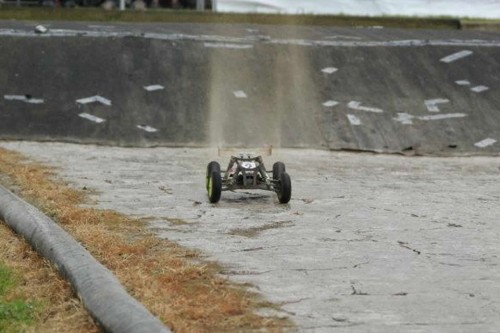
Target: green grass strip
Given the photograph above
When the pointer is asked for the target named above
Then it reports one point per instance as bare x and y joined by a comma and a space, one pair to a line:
15, 314
190, 16
480, 24
7, 281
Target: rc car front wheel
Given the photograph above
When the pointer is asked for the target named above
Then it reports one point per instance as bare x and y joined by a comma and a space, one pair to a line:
212, 167
285, 188
214, 187
278, 169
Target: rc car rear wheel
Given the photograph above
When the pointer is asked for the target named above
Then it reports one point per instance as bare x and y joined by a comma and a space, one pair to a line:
211, 167
214, 187
278, 169
285, 188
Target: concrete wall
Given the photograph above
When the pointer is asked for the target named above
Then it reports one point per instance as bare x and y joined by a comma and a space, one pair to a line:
63, 70
265, 91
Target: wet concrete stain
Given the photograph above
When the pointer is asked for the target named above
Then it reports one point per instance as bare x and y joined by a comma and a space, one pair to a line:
256, 231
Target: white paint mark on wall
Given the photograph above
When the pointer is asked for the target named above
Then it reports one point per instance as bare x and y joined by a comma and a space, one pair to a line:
357, 106
23, 98
354, 120
343, 37
330, 104
404, 118
463, 82
407, 119
228, 46
456, 56
103, 100
431, 104
147, 128
40, 29
485, 143
443, 116
94, 99
154, 87
478, 89
329, 70
86, 100
240, 94
92, 118
96, 26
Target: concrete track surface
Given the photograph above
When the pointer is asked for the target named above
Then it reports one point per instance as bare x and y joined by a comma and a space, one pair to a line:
368, 243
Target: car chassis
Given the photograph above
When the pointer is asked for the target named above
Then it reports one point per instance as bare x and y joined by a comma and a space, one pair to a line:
247, 172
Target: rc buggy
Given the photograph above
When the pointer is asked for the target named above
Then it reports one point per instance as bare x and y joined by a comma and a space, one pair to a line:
247, 171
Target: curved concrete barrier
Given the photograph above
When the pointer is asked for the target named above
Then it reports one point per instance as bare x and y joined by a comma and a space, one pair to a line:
102, 294
425, 92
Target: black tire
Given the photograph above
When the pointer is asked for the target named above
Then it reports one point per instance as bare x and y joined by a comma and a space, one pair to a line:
278, 169
285, 188
214, 187
211, 167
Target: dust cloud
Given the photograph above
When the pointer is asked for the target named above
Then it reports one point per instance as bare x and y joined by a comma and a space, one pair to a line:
261, 96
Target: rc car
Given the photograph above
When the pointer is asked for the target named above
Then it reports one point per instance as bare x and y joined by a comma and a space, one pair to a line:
247, 171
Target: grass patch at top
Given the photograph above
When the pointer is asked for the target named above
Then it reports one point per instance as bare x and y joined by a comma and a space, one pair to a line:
480, 24
190, 16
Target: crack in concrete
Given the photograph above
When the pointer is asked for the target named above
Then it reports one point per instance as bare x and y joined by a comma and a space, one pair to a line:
445, 324
356, 292
400, 294
251, 249
348, 324
315, 269
294, 301
365, 239
256, 231
246, 272
360, 264
450, 264
404, 245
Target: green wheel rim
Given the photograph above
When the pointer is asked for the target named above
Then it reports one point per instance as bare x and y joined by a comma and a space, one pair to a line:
209, 186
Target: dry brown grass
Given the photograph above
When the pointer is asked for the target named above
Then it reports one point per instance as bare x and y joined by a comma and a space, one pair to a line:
58, 309
187, 295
